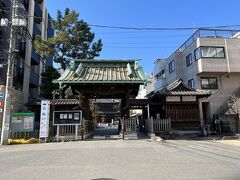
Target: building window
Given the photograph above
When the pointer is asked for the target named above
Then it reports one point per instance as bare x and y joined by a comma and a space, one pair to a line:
189, 59
171, 66
161, 75
209, 83
191, 83
197, 54
209, 52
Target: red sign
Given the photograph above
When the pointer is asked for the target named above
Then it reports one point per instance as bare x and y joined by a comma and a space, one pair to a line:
1, 103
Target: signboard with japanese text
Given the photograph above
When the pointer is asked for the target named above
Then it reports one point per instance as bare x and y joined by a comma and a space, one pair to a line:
70, 117
1, 95
22, 122
44, 118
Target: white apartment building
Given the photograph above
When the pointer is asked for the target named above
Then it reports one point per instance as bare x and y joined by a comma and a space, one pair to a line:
142, 92
209, 60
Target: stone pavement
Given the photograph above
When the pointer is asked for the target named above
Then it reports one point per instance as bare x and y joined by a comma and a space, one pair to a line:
112, 133
117, 159
105, 132
231, 142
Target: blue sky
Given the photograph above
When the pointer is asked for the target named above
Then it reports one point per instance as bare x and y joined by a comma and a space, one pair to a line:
148, 45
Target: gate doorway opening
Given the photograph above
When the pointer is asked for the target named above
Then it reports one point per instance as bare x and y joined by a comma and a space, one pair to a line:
103, 89
106, 115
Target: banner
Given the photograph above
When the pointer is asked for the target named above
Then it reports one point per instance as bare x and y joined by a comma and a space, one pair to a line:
44, 118
22, 122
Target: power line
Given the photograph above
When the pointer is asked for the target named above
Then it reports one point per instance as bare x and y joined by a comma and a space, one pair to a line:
27, 16
125, 47
150, 28
135, 43
2, 17
30, 36
141, 36
162, 28
132, 32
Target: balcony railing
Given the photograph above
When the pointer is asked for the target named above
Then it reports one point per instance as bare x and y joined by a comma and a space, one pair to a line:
49, 61
50, 32
37, 10
211, 33
34, 79
36, 30
35, 57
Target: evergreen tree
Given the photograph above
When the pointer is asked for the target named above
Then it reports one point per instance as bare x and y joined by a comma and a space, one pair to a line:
47, 87
73, 39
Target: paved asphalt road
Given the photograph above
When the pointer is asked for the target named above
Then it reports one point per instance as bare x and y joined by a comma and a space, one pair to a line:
117, 159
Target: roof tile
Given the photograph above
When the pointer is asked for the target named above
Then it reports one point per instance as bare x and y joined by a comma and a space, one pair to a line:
93, 71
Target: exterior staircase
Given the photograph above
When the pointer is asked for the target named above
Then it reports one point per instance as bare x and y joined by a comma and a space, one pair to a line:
224, 107
226, 120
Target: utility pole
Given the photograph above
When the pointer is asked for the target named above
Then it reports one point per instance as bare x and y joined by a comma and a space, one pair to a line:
9, 82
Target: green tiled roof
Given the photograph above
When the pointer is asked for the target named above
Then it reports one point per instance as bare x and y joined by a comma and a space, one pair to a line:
103, 71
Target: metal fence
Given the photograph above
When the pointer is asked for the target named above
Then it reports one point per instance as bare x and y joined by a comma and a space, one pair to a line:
69, 130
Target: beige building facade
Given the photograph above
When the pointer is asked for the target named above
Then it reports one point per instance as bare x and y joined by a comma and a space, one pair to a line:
209, 60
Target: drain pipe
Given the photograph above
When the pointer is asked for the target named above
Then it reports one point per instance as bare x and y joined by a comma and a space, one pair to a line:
228, 65
148, 111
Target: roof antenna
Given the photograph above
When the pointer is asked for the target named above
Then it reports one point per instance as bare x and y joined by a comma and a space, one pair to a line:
194, 26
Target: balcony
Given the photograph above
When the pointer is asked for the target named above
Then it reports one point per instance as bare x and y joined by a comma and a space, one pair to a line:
36, 30
37, 10
34, 79
49, 61
21, 46
35, 58
50, 32
26, 4
212, 65
208, 33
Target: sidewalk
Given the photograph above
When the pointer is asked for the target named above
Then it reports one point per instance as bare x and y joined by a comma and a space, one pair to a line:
230, 142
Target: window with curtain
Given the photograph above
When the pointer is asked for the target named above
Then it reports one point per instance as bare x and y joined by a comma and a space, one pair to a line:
209, 52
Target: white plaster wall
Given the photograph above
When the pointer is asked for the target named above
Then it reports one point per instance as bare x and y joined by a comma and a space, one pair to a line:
150, 87
173, 99
189, 98
141, 92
